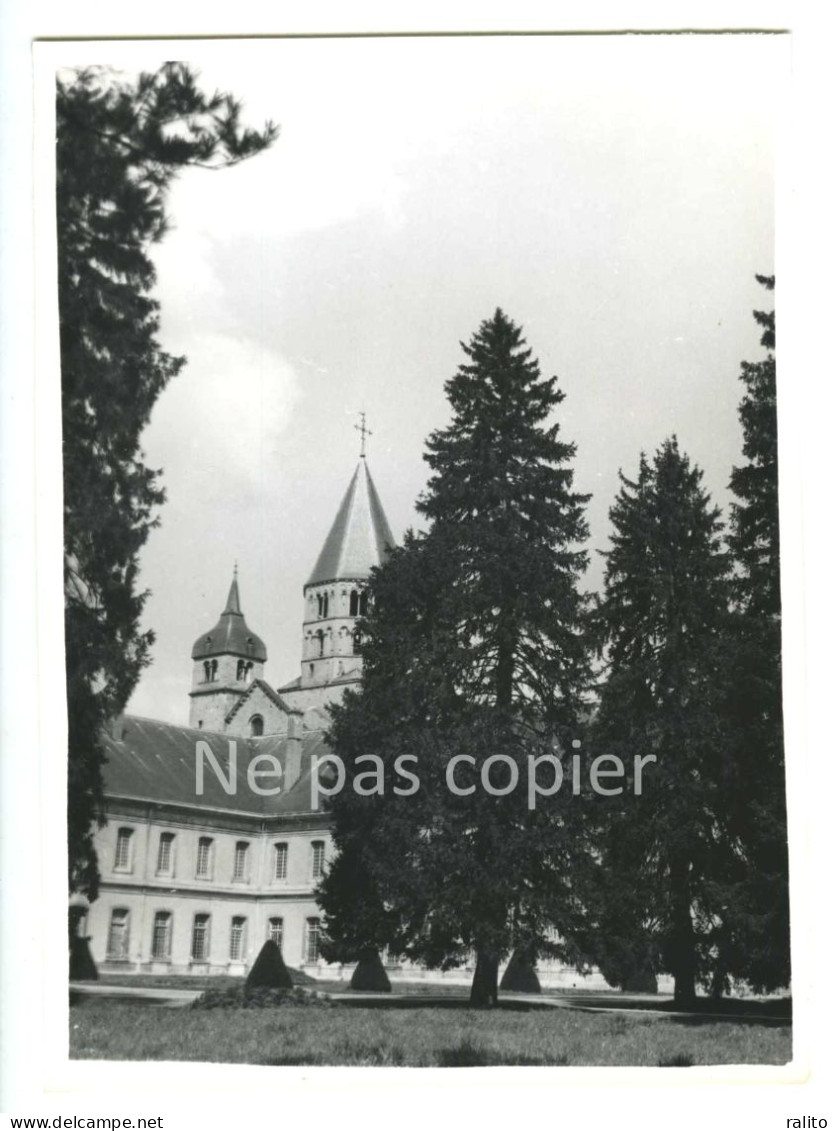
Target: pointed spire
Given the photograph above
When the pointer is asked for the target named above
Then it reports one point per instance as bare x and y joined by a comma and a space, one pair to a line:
359, 536
233, 601
231, 635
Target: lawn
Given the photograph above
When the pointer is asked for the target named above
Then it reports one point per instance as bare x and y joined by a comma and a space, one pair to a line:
432, 1036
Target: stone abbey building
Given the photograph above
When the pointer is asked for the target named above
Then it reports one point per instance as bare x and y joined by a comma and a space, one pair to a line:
195, 883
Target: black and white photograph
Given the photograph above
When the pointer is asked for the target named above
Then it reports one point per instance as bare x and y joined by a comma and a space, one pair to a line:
412, 550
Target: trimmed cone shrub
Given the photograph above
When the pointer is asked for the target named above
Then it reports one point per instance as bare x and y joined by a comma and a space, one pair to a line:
82, 966
269, 971
520, 974
369, 974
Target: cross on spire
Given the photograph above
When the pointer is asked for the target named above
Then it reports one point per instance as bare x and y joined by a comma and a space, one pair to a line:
364, 432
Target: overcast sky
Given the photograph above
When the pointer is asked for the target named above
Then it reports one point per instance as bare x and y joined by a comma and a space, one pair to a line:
614, 195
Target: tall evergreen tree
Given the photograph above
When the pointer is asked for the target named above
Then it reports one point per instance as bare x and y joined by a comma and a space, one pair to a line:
473, 646
119, 147
757, 935
662, 623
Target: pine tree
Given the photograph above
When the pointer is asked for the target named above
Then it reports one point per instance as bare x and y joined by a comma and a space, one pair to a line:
119, 147
662, 623
473, 646
756, 939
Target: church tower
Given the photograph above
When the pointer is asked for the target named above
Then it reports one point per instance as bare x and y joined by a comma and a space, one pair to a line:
335, 596
226, 661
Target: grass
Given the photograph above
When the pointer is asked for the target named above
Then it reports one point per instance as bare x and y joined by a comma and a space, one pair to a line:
426, 1037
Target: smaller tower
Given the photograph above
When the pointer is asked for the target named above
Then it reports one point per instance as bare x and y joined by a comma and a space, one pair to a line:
226, 661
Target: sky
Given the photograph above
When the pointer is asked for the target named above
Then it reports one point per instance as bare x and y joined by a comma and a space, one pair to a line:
613, 194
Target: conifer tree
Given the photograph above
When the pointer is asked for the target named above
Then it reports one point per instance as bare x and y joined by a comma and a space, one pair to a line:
756, 938
473, 646
663, 623
119, 147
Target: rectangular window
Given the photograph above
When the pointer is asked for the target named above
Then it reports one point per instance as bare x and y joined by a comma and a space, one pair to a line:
204, 858
280, 872
122, 862
317, 859
200, 938
118, 936
161, 938
312, 940
275, 931
239, 869
165, 854
237, 938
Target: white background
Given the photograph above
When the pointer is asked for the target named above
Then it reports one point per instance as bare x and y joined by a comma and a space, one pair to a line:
36, 1076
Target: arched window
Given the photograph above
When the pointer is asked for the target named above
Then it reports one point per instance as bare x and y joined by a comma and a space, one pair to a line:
317, 859
312, 940
275, 930
207, 671
357, 642
319, 604
165, 854
123, 861
203, 870
325, 605
237, 938
214, 670
364, 604
321, 638
161, 936
239, 868
256, 726
119, 934
248, 671
241, 670
353, 603
280, 870
200, 938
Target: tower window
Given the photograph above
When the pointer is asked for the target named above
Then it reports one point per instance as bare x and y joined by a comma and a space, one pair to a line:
244, 671
161, 937
124, 857
239, 870
364, 604
165, 854
204, 858
320, 636
256, 726
280, 870
207, 671
200, 938
237, 938
317, 859
312, 940
357, 642
325, 605
275, 931
118, 935
353, 603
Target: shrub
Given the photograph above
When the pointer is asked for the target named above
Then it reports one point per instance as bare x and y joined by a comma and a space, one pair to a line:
520, 974
82, 966
260, 997
269, 970
369, 974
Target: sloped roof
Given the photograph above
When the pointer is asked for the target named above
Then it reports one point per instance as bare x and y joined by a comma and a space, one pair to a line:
155, 761
359, 537
230, 636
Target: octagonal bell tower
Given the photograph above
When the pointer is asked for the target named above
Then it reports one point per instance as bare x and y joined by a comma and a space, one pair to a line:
225, 662
335, 595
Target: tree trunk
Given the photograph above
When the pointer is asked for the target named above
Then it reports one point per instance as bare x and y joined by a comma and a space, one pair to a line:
684, 964
483, 991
